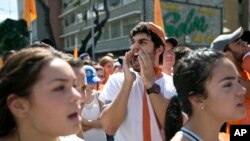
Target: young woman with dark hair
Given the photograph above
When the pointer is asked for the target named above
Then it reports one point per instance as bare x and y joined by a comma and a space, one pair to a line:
209, 92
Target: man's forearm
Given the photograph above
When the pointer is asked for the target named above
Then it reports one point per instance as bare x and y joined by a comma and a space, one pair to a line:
113, 115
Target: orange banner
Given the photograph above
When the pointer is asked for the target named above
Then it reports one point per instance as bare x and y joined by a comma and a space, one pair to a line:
75, 52
157, 14
29, 11
1, 62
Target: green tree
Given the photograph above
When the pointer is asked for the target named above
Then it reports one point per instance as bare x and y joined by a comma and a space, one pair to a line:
14, 35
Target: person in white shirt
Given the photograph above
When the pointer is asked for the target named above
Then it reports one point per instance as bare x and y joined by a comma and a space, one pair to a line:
136, 99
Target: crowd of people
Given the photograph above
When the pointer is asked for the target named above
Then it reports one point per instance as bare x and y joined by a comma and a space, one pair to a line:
157, 91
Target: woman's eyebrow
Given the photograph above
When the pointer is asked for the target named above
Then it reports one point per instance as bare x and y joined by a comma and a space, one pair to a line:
227, 78
59, 79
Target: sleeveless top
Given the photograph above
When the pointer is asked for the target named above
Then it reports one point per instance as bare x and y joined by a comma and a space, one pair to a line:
92, 111
189, 134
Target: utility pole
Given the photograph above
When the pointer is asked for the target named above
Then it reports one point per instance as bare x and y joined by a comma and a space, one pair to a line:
92, 29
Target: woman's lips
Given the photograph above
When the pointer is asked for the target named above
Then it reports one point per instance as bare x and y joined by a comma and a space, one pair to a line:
75, 117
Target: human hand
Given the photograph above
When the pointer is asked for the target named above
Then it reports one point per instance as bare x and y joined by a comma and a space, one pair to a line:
147, 68
128, 74
85, 125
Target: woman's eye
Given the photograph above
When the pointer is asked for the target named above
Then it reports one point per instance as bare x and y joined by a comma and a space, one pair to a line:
228, 85
60, 88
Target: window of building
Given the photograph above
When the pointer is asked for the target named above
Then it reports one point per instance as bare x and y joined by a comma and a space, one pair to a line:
128, 24
79, 17
115, 3
85, 16
72, 41
67, 42
115, 29
66, 23
127, 1
66, 3
100, 5
105, 33
72, 18
89, 14
82, 1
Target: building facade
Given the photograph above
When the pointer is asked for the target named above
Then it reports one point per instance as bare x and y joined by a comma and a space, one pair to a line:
194, 23
77, 18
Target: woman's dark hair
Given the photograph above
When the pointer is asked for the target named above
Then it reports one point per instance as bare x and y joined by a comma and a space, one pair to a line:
41, 45
18, 75
174, 115
181, 51
190, 75
75, 63
7, 55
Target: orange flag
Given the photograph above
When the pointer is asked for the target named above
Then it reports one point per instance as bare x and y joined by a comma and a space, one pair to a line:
1, 62
157, 14
75, 52
29, 11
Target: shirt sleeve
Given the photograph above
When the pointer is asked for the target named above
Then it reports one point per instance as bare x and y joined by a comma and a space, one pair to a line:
167, 86
111, 88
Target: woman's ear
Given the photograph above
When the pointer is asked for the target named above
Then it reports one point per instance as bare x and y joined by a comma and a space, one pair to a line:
197, 101
18, 106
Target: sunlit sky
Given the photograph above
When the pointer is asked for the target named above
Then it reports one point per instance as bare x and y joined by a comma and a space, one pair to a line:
8, 9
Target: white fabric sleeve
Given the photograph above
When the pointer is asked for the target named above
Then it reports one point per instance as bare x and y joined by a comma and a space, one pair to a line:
111, 88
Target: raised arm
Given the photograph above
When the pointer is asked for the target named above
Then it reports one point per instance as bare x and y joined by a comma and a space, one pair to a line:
114, 113
148, 77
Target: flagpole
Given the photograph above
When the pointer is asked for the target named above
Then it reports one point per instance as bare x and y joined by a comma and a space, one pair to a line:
30, 33
29, 15
92, 29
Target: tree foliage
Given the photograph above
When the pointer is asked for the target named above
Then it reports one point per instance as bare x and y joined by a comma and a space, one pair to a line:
14, 35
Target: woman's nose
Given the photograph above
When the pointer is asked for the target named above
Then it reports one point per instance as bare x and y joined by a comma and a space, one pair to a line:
78, 97
241, 90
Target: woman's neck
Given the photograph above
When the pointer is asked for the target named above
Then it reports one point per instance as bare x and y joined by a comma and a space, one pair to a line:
205, 129
89, 96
